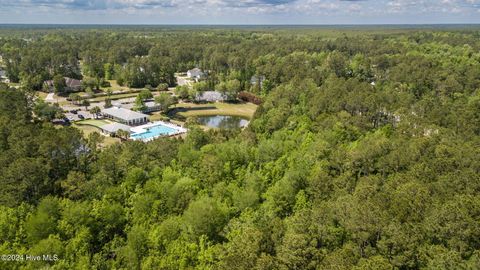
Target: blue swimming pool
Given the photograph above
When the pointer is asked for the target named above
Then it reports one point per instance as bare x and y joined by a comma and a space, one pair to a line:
154, 132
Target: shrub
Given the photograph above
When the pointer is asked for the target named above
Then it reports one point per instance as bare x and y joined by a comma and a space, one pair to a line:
249, 97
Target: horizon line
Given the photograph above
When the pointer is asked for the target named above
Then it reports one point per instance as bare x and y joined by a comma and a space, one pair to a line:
247, 24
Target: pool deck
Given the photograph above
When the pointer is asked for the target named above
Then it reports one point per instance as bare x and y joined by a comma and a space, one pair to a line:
144, 128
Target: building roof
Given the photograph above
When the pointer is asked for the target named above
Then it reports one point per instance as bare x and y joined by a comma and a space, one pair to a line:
195, 72
72, 83
114, 127
123, 113
150, 104
210, 96
69, 82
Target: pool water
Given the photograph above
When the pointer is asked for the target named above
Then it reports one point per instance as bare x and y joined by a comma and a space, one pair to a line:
153, 132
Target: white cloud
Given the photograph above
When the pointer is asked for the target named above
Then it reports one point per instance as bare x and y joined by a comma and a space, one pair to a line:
321, 10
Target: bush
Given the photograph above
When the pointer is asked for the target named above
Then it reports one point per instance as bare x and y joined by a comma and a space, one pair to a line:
249, 97
104, 83
162, 87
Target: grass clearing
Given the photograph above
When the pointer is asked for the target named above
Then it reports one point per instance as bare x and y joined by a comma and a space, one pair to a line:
115, 86
93, 122
235, 109
88, 129
41, 95
157, 116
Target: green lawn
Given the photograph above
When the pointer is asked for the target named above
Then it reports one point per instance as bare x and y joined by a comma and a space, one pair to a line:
87, 129
93, 122
115, 86
157, 116
41, 95
236, 109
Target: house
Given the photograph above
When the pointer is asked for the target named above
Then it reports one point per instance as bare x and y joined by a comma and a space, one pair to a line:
257, 79
151, 106
125, 116
195, 74
210, 96
71, 85
113, 128
3, 75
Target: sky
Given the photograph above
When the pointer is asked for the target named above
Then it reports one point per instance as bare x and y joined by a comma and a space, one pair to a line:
240, 11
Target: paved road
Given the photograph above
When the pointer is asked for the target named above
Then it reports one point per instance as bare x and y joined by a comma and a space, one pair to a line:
75, 117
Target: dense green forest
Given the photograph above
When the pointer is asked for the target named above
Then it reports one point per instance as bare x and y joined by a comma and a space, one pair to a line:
364, 154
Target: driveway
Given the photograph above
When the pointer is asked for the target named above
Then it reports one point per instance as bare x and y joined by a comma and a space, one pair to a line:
50, 97
183, 80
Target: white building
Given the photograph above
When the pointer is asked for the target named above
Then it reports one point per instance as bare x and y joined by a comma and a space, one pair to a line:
210, 96
3, 75
125, 116
195, 73
113, 128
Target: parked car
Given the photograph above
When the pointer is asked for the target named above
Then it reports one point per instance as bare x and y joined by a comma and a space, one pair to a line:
81, 116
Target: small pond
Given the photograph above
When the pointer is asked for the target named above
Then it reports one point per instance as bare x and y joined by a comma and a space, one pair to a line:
222, 121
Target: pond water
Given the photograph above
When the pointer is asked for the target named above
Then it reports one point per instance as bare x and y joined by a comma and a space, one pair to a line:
223, 121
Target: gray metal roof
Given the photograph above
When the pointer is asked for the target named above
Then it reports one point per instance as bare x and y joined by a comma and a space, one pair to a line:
210, 96
123, 113
69, 82
114, 127
72, 83
196, 72
151, 104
